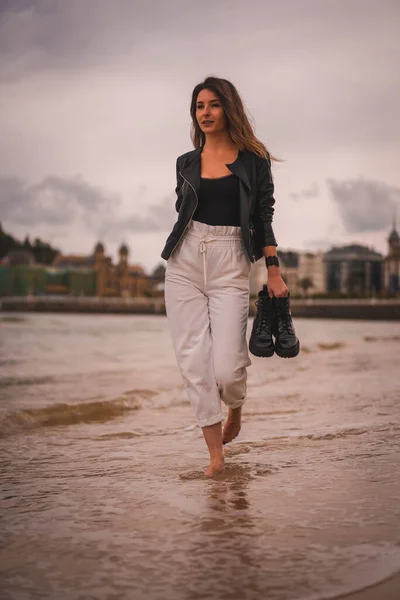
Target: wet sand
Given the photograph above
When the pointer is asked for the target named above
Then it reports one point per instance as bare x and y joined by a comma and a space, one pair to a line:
102, 487
388, 590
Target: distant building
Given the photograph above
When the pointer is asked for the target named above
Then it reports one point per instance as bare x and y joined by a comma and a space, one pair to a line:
391, 263
288, 264
311, 273
303, 272
74, 261
289, 267
18, 256
353, 269
157, 278
120, 280
343, 269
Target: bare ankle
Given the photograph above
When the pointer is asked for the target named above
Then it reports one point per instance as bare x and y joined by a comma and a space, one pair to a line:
235, 413
216, 466
217, 456
233, 425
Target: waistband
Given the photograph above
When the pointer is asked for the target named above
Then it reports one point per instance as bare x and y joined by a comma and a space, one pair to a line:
224, 231
218, 236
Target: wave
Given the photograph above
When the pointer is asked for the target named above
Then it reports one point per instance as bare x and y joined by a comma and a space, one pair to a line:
121, 435
388, 338
32, 380
13, 319
68, 414
342, 433
370, 566
128, 435
331, 346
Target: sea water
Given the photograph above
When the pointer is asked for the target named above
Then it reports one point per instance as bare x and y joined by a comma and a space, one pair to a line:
101, 464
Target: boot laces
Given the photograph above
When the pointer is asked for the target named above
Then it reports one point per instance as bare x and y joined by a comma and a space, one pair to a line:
263, 324
283, 317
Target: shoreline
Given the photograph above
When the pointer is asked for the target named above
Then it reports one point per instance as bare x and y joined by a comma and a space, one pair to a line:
387, 589
366, 309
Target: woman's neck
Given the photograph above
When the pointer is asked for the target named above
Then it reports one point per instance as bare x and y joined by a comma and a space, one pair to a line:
219, 143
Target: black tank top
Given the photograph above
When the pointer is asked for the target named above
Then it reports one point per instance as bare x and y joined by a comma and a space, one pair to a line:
218, 201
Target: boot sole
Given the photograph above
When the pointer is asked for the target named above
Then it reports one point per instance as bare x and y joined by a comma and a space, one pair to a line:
288, 353
261, 353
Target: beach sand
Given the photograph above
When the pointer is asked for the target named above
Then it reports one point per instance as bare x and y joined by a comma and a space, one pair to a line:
387, 590
103, 486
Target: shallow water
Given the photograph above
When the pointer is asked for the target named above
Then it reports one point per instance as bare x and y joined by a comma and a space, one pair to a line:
102, 486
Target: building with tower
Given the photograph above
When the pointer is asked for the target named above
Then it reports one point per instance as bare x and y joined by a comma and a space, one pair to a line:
303, 272
111, 280
391, 263
353, 269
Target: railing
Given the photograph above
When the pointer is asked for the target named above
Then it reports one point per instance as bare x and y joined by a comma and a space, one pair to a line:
83, 299
344, 308
345, 301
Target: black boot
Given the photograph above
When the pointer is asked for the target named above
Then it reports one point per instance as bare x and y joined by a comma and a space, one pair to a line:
261, 342
287, 344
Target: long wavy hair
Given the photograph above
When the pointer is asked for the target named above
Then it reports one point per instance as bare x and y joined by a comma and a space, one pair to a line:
240, 129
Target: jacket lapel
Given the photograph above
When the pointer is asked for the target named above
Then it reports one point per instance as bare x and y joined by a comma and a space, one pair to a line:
192, 171
238, 168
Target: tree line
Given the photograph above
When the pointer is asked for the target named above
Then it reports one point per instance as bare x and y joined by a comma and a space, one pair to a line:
42, 252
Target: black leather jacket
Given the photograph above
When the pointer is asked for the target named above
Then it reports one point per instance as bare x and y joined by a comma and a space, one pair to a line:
256, 200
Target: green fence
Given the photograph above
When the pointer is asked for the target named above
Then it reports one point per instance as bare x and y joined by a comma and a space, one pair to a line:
25, 280
55, 280
5, 281
22, 280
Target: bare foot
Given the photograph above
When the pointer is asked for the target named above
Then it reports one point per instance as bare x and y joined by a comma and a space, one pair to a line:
215, 467
232, 425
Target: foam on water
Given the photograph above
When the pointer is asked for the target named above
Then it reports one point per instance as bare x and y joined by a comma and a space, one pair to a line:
64, 414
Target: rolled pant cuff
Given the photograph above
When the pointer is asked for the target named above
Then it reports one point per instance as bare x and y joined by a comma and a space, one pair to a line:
211, 421
237, 405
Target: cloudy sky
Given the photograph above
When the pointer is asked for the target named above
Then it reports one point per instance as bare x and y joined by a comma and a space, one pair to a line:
94, 110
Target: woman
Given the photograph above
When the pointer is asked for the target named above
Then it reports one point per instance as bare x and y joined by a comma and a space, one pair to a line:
225, 205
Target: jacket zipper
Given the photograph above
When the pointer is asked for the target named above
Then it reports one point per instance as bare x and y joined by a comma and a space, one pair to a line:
191, 216
252, 230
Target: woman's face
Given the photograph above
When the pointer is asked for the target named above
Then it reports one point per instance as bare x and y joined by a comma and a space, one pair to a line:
209, 112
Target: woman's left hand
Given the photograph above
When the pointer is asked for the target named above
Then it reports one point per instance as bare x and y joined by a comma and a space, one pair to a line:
276, 286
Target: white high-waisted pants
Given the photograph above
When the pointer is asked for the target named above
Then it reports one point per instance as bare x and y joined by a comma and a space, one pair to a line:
207, 305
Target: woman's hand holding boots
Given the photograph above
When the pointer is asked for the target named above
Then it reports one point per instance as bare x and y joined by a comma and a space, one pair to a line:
276, 286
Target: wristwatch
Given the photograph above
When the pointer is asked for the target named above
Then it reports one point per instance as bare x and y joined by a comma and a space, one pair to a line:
271, 260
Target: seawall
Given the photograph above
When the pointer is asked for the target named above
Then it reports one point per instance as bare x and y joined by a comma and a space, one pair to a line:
370, 309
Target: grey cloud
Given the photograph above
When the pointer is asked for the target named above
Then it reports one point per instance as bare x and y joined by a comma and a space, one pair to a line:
157, 217
311, 192
46, 34
318, 91
15, 6
73, 33
63, 202
364, 205
54, 201
40, 34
